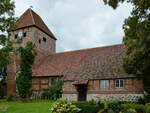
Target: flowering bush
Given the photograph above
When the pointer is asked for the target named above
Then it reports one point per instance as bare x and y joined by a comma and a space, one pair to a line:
64, 106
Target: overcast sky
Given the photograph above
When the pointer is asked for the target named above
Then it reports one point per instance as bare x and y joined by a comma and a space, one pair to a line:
79, 24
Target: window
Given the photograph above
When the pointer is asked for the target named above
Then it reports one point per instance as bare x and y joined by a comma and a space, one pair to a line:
16, 36
119, 83
53, 80
24, 34
104, 83
39, 41
44, 39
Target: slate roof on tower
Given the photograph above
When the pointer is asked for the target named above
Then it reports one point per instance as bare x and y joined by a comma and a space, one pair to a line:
30, 18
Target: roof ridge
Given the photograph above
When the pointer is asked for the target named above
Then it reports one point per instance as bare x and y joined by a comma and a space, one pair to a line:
32, 15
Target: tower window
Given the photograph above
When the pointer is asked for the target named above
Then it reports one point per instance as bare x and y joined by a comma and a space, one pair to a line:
44, 39
39, 41
24, 34
16, 36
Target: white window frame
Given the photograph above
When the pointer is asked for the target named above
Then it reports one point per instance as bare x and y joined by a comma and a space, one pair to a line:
104, 83
119, 84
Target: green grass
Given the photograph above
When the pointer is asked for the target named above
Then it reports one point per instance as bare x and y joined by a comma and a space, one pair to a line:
41, 106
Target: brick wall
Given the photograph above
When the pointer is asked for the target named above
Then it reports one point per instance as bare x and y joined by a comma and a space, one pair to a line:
48, 46
41, 83
132, 90
130, 84
34, 34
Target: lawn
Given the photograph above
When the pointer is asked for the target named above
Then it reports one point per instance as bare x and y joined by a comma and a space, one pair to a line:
41, 106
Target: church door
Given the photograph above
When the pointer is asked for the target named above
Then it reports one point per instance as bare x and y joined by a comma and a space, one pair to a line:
82, 91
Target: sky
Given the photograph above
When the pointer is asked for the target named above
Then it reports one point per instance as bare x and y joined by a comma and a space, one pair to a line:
79, 24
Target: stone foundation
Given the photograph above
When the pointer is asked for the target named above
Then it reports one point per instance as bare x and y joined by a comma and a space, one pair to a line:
120, 97
71, 97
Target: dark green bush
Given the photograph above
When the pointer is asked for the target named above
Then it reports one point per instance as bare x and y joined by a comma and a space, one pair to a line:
147, 108
114, 105
147, 98
87, 107
110, 111
144, 100
141, 101
134, 106
129, 111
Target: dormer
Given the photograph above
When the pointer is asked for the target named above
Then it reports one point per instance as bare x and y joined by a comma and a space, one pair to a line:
30, 27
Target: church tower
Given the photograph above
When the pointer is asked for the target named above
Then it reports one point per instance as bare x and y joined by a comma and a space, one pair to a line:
30, 27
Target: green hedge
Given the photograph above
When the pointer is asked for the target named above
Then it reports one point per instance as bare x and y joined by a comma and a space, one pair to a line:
87, 107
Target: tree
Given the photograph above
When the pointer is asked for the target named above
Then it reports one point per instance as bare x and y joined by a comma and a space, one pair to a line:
24, 77
6, 25
137, 39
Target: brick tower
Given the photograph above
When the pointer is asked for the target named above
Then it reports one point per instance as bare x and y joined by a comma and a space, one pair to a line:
30, 27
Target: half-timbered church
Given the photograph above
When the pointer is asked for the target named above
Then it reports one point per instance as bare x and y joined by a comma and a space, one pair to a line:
94, 73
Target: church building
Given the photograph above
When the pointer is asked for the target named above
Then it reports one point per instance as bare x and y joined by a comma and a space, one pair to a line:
94, 73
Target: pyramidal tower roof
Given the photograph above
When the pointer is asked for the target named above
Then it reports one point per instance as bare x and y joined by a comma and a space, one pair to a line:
30, 18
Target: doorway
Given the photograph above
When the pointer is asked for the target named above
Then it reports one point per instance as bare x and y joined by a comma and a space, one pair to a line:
82, 91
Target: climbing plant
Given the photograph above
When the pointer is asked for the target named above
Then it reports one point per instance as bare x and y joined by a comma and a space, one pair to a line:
24, 76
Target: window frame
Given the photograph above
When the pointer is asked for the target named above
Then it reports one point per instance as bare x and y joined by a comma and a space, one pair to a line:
119, 84
104, 83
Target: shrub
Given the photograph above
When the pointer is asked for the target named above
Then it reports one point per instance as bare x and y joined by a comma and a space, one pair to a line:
87, 106
64, 106
135, 106
147, 108
144, 100
141, 101
54, 91
110, 111
147, 98
114, 105
129, 111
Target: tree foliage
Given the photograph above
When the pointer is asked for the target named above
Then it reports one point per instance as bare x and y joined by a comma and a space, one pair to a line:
24, 77
137, 39
6, 25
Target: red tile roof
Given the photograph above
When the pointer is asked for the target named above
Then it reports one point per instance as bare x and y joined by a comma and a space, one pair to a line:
30, 18
94, 63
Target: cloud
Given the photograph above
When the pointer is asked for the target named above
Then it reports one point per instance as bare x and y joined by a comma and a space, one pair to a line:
79, 24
